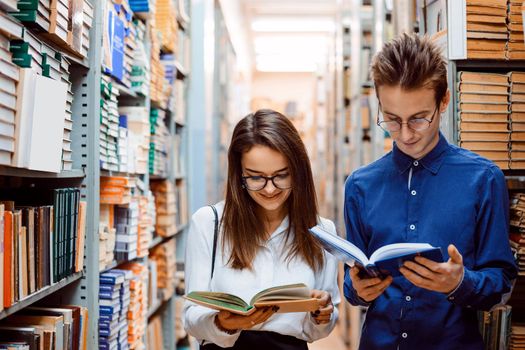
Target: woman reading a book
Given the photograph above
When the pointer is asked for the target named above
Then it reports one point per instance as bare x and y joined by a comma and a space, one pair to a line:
262, 242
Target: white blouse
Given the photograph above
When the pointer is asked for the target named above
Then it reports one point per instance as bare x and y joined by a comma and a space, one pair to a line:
270, 268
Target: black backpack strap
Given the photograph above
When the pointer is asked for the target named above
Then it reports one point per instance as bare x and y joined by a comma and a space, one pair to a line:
215, 234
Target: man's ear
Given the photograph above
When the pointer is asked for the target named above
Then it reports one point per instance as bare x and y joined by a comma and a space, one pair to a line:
444, 102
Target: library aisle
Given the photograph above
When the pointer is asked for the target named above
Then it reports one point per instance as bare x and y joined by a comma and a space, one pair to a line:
116, 118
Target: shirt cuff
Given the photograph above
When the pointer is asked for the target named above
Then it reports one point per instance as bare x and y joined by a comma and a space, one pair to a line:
219, 337
464, 289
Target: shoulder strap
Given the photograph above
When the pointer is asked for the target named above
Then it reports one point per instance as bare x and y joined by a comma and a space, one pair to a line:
215, 233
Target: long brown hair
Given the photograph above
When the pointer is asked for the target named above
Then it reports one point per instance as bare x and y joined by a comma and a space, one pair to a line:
243, 229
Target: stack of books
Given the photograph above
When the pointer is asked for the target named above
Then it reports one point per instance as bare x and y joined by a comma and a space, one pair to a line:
126, 225
9, 76
140, 71
165, 15
138, 305
494, 326
142, 6
116, 189
487, 29
59, 21
153, 290
515, 46
517, 118
139, 137
160, 143
517, 229
8, 5
166, 207
155, 339
41, 244
43, 327
109, 125
130, 46
517, 336
67, 159
107, 236
180, 102
483, 111
181, 199
147, 217
34, 13
164, 256
170, 73
87, 23
27, 52
159, 85
123, 145
114, 299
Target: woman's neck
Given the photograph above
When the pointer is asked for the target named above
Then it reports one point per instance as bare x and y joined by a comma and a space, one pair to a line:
272, 219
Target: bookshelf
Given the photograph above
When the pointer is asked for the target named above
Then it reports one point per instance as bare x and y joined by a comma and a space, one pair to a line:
85, 75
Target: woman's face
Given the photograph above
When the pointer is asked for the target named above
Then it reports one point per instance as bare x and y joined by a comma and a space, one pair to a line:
260, 162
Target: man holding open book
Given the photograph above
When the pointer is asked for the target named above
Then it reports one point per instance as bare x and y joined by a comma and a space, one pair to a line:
426, 191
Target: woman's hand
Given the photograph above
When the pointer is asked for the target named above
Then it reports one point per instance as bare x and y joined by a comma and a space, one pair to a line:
231, 322
326, 308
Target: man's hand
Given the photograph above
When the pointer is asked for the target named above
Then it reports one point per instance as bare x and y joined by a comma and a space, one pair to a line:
233, 322
368, 289
326, 308
438, 277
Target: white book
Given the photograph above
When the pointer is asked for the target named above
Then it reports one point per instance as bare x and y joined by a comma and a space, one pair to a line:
7, 115
5, 159
8, 85
7, 143
24, 116
7, 99
10, 70
7, 129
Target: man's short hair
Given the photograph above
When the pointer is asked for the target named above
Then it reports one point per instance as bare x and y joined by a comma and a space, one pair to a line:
412, 62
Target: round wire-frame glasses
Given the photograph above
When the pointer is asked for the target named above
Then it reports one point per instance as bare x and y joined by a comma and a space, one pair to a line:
415, 124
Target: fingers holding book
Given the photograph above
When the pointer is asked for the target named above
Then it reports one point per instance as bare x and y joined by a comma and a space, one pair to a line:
230, 322
326, 308
368, 289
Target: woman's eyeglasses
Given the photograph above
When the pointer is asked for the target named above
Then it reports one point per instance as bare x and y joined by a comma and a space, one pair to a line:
257, 183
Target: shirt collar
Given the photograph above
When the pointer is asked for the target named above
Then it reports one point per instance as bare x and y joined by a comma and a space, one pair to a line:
282, 227
432, 161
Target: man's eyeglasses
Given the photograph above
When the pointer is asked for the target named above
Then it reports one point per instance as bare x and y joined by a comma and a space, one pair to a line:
415, 124
257, 183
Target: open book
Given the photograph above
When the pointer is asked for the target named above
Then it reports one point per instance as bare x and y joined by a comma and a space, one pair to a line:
385, 261
289, 298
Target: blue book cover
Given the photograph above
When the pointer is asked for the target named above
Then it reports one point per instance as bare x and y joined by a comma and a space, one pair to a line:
383, 262
111, 278
117, 48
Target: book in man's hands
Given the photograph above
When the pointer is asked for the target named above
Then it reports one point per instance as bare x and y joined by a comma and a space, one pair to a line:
383, 262
289, 298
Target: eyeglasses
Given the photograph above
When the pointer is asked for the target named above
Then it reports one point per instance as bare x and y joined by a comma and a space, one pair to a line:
415, 124
257, 183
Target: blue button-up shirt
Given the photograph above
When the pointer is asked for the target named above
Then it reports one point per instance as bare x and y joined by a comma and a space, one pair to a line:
450, 196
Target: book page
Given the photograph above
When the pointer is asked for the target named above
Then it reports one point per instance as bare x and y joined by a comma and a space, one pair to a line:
398, 249
339, 247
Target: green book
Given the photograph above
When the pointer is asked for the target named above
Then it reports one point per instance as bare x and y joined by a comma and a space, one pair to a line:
25, 16
289, 298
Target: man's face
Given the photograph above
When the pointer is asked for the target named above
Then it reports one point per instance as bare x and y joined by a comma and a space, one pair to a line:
401, 105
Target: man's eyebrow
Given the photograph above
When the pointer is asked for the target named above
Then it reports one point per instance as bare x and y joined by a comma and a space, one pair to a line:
413, 115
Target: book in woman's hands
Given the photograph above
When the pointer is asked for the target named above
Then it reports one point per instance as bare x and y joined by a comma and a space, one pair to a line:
289, 298
384, 261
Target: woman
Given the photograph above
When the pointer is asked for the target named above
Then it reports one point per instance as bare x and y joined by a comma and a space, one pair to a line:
263, 241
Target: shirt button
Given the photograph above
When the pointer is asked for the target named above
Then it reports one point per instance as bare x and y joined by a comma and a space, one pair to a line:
416, 163
413, 192
404, 335
412, 227
408, 298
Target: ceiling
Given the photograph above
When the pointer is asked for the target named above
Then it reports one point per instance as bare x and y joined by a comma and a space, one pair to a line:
289, 35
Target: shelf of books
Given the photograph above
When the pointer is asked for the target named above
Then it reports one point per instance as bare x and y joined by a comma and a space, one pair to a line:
92, 170
487, 84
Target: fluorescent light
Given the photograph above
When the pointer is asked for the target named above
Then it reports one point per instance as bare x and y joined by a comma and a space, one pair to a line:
293, 25
288, 63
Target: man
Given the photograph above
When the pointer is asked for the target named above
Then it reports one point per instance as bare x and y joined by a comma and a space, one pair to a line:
426, 191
